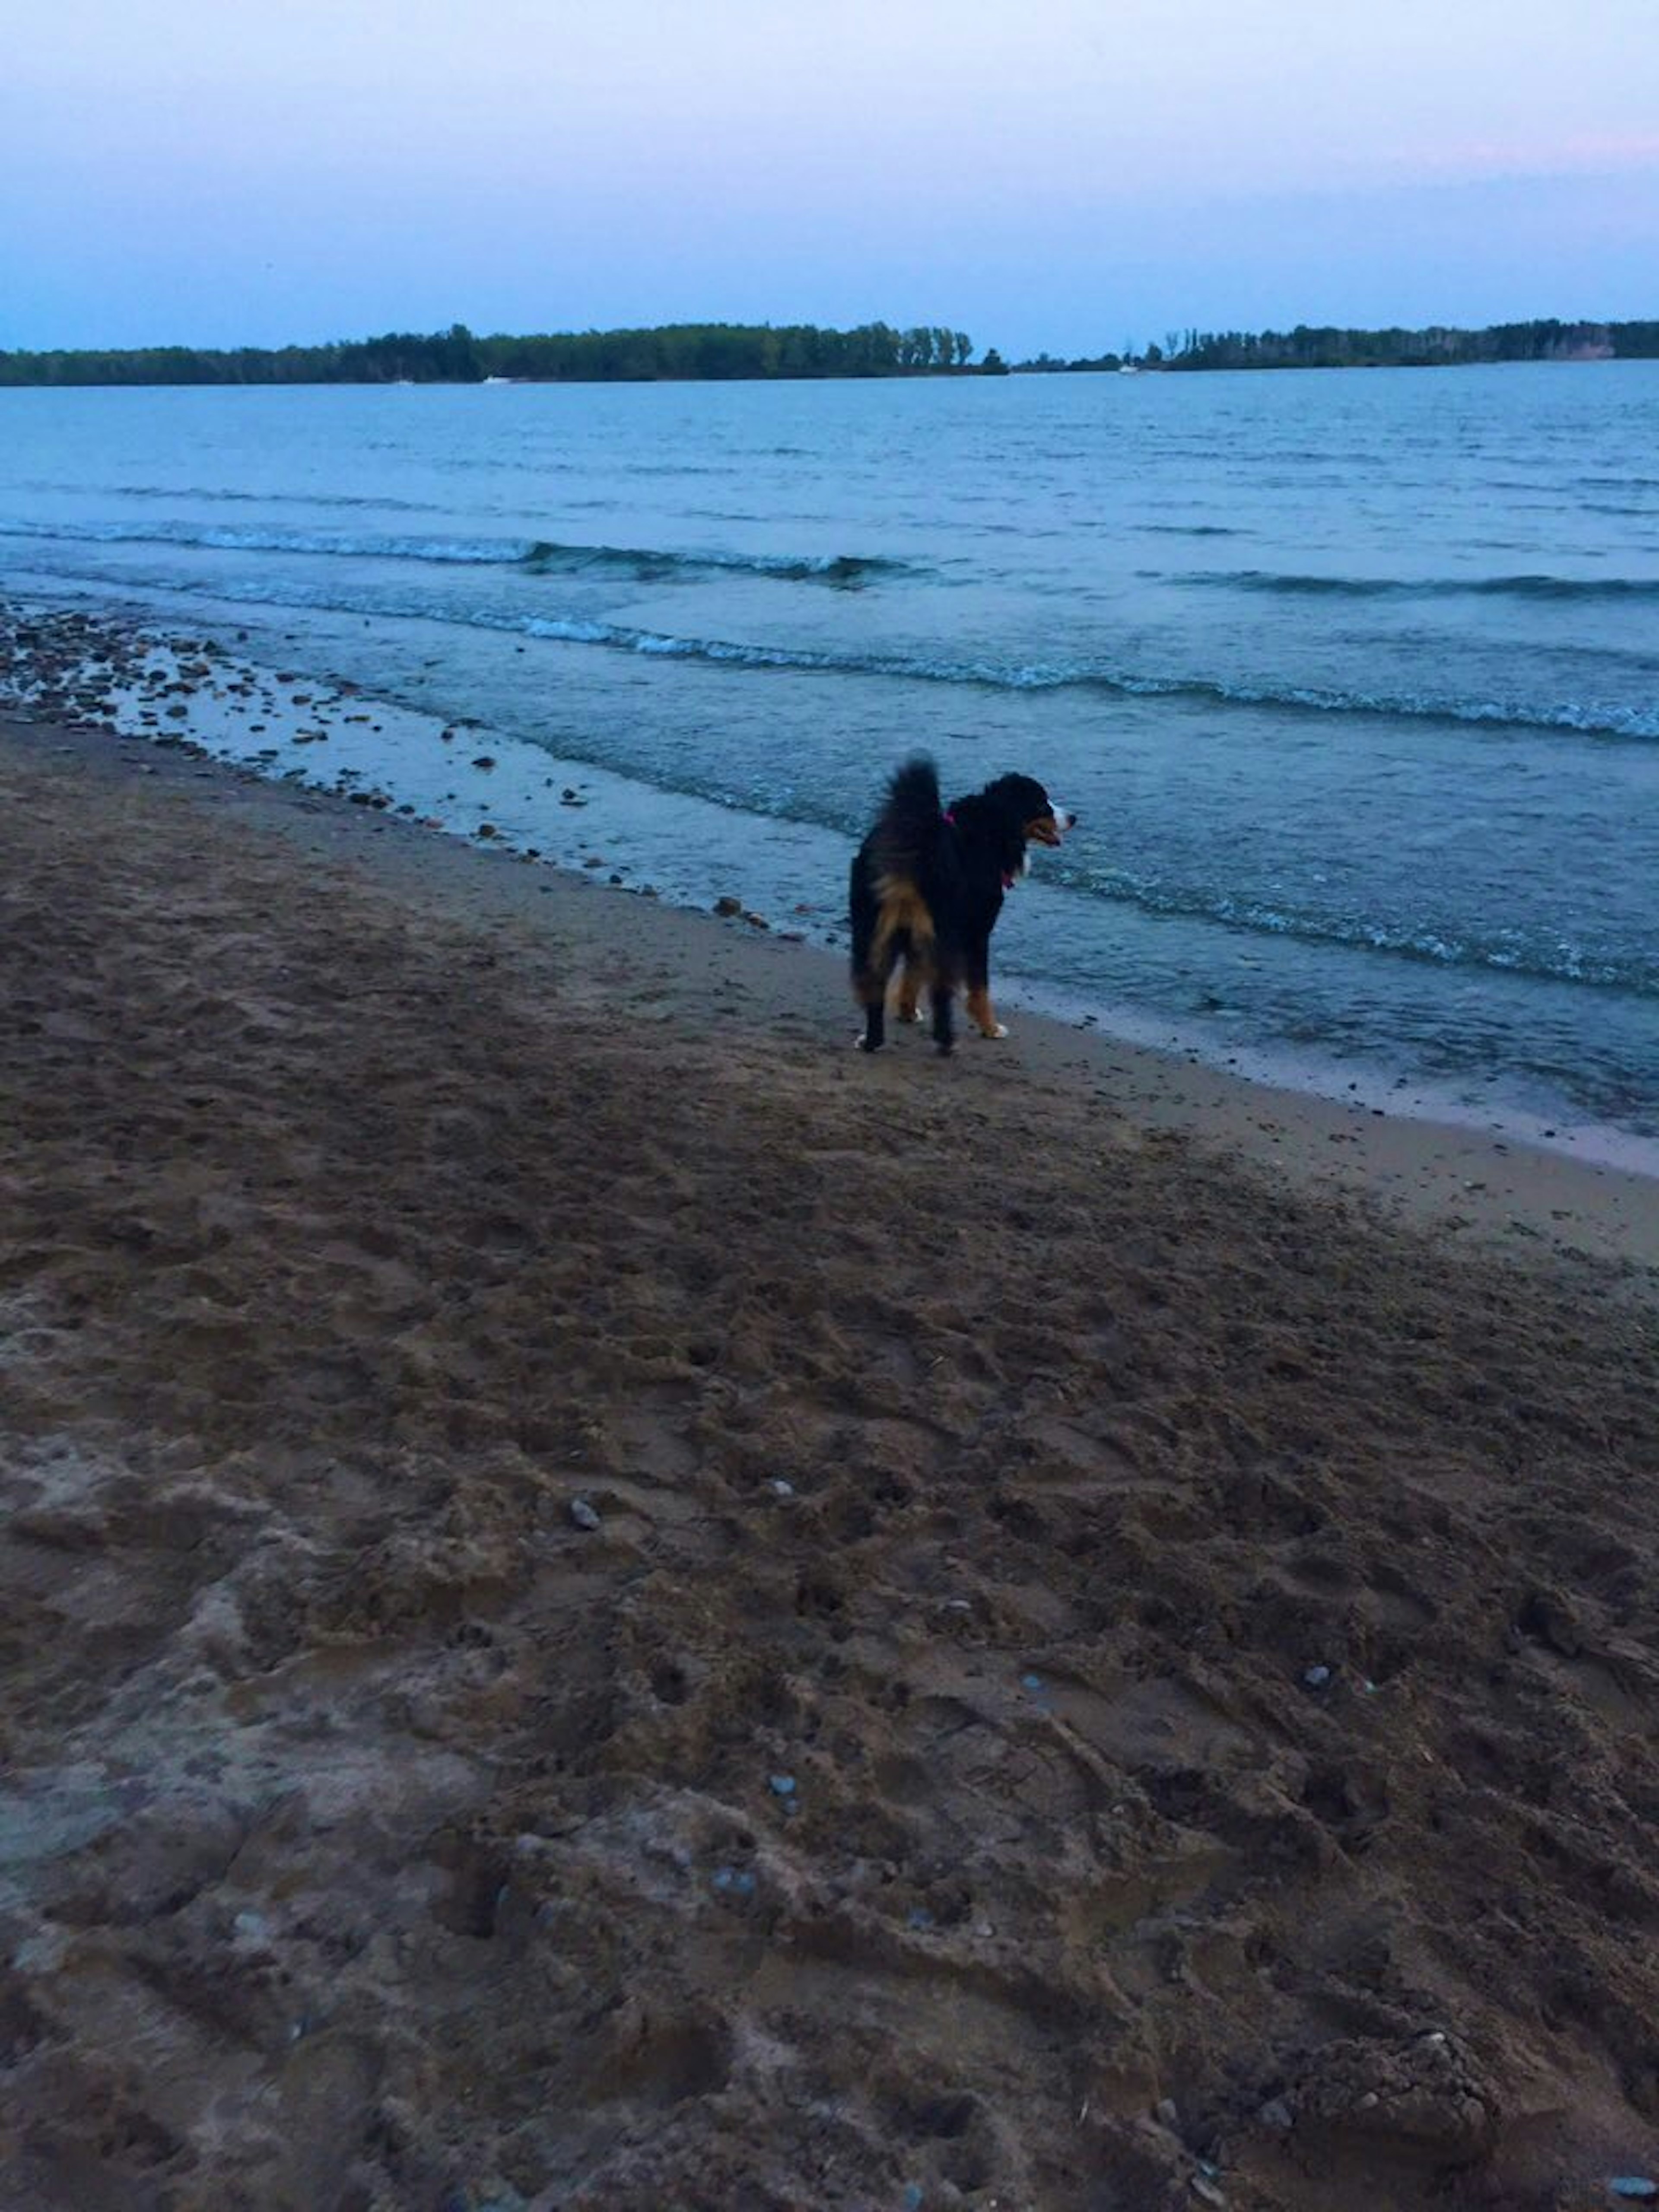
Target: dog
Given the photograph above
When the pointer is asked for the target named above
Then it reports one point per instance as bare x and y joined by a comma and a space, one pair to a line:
927, 888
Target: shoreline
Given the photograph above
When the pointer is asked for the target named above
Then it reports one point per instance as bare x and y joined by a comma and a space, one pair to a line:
141, 676
610, 1603
1487, 1186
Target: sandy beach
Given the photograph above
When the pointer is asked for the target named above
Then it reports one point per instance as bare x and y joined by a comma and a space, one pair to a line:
612, 1605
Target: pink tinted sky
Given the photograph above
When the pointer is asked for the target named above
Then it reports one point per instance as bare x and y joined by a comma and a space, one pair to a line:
1058, 174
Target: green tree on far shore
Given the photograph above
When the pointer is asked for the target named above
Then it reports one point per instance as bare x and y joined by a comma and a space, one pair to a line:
675, 352
1327, 347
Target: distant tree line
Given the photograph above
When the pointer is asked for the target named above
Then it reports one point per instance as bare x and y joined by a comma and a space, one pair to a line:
1049, 364
1327, 347
687, 352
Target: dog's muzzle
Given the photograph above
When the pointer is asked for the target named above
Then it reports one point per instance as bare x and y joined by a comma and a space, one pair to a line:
1048, 828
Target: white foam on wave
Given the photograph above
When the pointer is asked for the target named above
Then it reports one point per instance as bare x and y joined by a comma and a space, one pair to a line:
1595, 720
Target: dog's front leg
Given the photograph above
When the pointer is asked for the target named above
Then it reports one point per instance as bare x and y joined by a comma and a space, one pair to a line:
976, 965
981, 1013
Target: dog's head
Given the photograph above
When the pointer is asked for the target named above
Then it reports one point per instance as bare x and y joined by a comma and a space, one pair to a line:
1041, 822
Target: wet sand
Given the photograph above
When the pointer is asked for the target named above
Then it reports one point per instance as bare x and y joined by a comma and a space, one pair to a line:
610, 1605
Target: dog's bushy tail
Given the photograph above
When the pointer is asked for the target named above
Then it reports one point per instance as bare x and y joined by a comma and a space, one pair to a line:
902, 866
910, 820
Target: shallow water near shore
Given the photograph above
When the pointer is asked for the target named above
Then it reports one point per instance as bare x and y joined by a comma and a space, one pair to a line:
1351, 679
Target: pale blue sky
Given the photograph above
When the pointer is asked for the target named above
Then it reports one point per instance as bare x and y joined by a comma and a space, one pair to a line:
1044, 174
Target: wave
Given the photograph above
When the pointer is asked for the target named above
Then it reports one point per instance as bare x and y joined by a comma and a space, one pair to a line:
540, 557
1400, 588
1507, 952
1595, 720
227, 498
552, 558
227, 538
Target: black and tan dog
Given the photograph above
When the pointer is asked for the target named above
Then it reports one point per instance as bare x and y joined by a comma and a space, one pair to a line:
928, 886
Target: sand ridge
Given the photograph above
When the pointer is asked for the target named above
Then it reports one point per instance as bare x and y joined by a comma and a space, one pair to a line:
1100, 1677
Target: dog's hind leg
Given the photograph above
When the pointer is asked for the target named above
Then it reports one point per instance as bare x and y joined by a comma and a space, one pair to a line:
870, 989
907, 1005
872, 961
943, 1033
901, 929
872, 971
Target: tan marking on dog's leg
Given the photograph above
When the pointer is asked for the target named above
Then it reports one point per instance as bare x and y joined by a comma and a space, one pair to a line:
907, 1005
981, 1015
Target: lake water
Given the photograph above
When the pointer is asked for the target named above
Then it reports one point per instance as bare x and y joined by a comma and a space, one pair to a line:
1353, 679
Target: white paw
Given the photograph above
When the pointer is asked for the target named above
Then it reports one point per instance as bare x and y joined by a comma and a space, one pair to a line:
991, 1034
